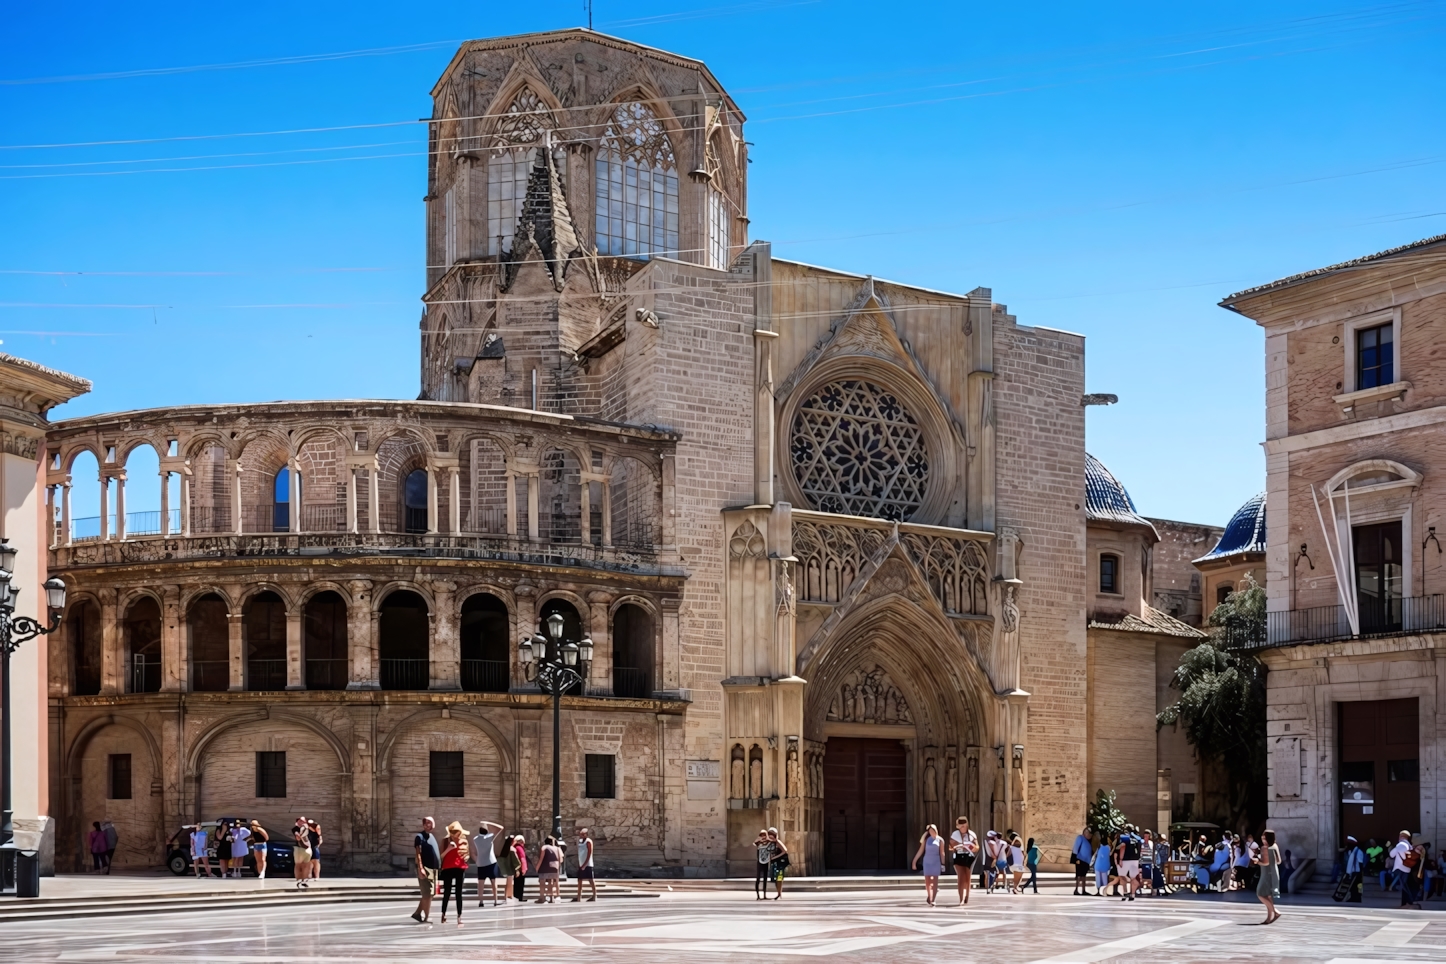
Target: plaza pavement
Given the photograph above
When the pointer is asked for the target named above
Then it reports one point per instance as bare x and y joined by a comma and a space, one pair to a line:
848, 919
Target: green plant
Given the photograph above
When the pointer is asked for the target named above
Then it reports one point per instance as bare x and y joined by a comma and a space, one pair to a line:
1103, 817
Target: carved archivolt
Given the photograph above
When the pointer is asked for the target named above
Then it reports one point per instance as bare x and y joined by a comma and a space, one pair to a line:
856, 450
869, 696
831, 556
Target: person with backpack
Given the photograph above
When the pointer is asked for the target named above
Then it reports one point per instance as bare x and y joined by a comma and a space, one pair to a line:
1413, 862
1398, 865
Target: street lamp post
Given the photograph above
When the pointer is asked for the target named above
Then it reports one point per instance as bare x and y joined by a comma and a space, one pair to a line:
15, 630
556, 666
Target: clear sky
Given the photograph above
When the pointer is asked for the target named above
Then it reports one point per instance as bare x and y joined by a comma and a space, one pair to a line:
1106, 169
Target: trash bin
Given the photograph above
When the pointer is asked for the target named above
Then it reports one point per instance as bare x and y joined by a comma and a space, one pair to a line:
27, 873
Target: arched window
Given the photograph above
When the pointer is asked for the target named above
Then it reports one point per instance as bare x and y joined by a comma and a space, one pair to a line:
403, 647
414, 499
324, 642
571, 626
1110, 574
83, 620
264, 629
281, 501
510, 166
637, 186
143, 643
632, 652
210, 645
486, 649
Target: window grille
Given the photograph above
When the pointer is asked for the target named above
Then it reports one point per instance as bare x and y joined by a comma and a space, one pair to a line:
600, 769
120, 776
717, 229
446, 777
271, 773
637, 186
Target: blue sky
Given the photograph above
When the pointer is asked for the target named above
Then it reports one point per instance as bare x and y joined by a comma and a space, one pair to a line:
1107, 169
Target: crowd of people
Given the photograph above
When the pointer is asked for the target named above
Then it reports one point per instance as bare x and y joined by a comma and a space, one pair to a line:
1407, 866
102, 841
442, 865
234, 840
1003, 859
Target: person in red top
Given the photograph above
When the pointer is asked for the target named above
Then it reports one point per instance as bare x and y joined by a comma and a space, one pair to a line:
454, 867
520, 849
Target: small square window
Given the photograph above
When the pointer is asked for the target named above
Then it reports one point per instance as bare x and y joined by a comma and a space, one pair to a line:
1375, 356
1403, 771
271, 773
600, 768
1110, 574
1222, 593
446, 774
120, 776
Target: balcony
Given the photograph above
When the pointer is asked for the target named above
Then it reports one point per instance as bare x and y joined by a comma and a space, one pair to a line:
485, 676
1379, 619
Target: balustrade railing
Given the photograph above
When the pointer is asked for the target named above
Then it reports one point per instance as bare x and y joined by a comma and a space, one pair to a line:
486, 676
405, 674
1397, 616
326, 674
323, 518
631, 683
265, 675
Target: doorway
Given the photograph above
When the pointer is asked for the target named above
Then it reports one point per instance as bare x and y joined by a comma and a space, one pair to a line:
864, 801
1380, 778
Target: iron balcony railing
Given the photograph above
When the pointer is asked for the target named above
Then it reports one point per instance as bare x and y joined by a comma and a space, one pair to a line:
265, 675
145, 673
1398, 616
405, 674
326, 674
210, 675
632, 683
485, 676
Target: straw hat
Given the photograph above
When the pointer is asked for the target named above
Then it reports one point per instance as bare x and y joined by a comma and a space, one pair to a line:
455, 827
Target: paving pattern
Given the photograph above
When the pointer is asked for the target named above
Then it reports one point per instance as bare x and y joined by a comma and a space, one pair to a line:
896, 927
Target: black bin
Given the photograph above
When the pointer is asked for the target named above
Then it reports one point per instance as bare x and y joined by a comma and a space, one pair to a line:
27, 873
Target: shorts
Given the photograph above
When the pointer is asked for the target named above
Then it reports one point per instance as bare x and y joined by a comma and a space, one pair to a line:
1129, 868
584, 873
488, 871
964, 860
1081, 869
427, 881
260, 848
775, 872
196, 856
551, 875
1016, 869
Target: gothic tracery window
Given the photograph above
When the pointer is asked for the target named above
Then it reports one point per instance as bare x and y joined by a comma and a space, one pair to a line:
637, 186
510, 164
856, 450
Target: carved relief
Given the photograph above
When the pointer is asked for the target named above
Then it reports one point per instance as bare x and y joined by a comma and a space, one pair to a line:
737, 774
747, 541
1009, 609
786, 602
869, 696
951, 789
794, 772
830, 558
755, 773
931, 782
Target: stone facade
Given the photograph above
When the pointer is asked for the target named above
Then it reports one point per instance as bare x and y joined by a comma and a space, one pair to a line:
796, 509
1355, 579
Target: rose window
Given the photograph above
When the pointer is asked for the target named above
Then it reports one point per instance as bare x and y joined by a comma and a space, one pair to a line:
857, 451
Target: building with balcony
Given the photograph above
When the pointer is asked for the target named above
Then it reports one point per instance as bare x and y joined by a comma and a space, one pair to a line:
826, 531
1355, 401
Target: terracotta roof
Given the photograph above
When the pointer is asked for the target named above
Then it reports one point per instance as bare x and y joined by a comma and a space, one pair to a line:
1245, 532
1106, 500
1228, 301
1151, 621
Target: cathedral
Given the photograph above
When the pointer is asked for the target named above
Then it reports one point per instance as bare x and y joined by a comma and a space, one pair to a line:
826, 532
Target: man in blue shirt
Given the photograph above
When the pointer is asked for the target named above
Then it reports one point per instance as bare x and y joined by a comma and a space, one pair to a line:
1355, 868
1080, 856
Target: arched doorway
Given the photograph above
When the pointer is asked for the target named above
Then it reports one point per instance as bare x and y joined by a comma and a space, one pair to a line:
324, 642
571, 627
264, 627
486, 650
632, 640
404, 646
83, 626
143, 644
210, 645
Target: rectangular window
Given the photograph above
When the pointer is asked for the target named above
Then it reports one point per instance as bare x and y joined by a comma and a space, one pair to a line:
1110, 574
445, 779
637, 208
271, 773
120, 776
600, 776
1403, 771
1375, 356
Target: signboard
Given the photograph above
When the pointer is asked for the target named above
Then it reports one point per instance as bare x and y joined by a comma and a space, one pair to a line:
704, 769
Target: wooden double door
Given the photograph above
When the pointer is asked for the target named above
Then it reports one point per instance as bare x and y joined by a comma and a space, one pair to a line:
865, 793
1379, 773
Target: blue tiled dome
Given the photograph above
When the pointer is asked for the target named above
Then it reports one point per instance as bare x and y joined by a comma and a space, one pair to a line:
1245, 532
1106, 500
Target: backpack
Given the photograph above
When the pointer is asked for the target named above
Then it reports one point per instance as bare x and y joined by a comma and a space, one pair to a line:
1410, 858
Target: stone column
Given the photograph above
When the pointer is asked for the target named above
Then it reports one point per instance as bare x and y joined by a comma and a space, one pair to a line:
444, 649
374, 497
112, 643
175, 667
165, 503
233, 474
295, 658
601, 676
238, 651
186, 502
360, 638
585, 509
533, 504
607, 513
351, 499
120, 505
669, 494
511, 505
293, 479
670, 661
431, 500
65, 539
104, 508
454, 501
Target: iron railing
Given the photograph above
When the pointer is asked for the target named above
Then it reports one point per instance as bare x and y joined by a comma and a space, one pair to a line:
405, 674
486, 676
326, 674
265, 675
1398, 616
208, 519
210, 675
323, 518
145, 673
632, 683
